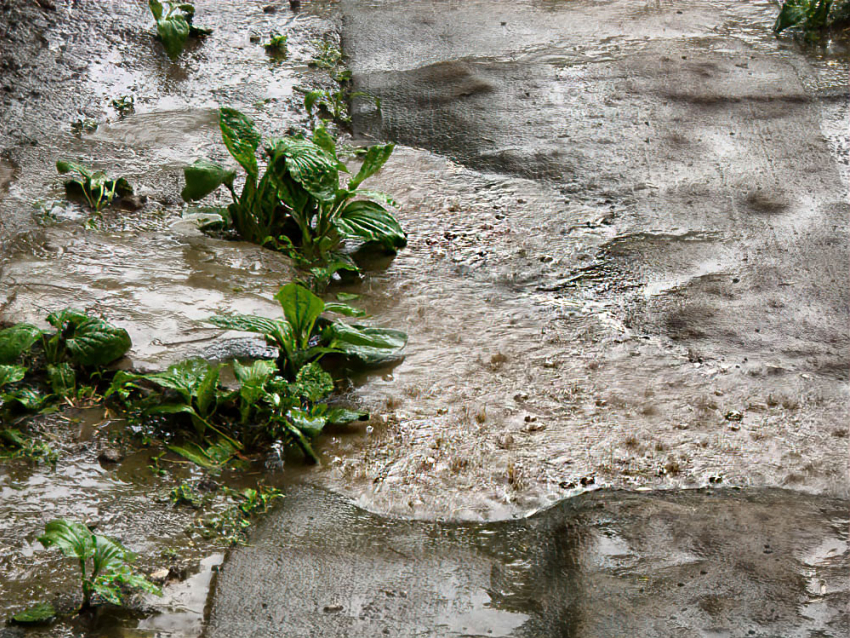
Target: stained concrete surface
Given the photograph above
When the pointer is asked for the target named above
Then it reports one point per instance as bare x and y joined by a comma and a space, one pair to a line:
690, 564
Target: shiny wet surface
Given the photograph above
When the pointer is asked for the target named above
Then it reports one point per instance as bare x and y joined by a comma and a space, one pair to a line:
698, 563
627, 221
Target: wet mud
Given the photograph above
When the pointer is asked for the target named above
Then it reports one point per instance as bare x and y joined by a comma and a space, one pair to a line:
690, 564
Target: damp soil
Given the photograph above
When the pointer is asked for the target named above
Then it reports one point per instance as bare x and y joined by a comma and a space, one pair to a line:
628, 228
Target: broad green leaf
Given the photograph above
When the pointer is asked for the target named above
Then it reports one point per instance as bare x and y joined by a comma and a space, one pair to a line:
27, 399
344, 309
313, 383
221, 451
90, 341
16, 341
347, 296
63, 379
302, 441
301, 309
241, 139
120, 186
253, 381
375, 158
72, 538
37, 614
188, 9
184, 378
12, 437
108, 554
203, 177
174, 32
256, 374
212, 458
171, 408
809, 14
67, 166
311, 425
60, 319
324, 140
123, 575
156, 9
370, 221
246, 323
11, 374
341, 416
369, 345
311, 98
109, 593
206, 393
195, 454
309, 165
122, 383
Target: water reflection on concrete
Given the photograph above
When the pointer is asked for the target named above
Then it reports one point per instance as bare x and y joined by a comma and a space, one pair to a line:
697, 563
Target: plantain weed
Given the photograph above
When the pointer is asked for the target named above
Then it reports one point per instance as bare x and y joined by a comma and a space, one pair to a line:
304, 335
125, 105
95, 186
103, 562
174, 25
298, 204
69, 361
812, 17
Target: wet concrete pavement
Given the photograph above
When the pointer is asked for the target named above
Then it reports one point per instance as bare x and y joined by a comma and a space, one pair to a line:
690, 564
628, 228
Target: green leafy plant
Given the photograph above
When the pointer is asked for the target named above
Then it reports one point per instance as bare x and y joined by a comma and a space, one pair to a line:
193, 387
78, 350
812, 16
233, 523
304, 336
174, 25
184, 494
251, 501
83, 125
334, 104
97, 189
14, 445
328, 55
36, 615
298, 204
276, 45
125, 105
104, 563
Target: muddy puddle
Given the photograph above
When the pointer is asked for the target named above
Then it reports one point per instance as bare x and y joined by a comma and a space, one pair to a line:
627, 268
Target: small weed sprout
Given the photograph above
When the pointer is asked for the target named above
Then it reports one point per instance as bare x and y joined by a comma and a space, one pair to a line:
328, 55
98, 190
125, 105
276, 45
104, 563
174, 25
